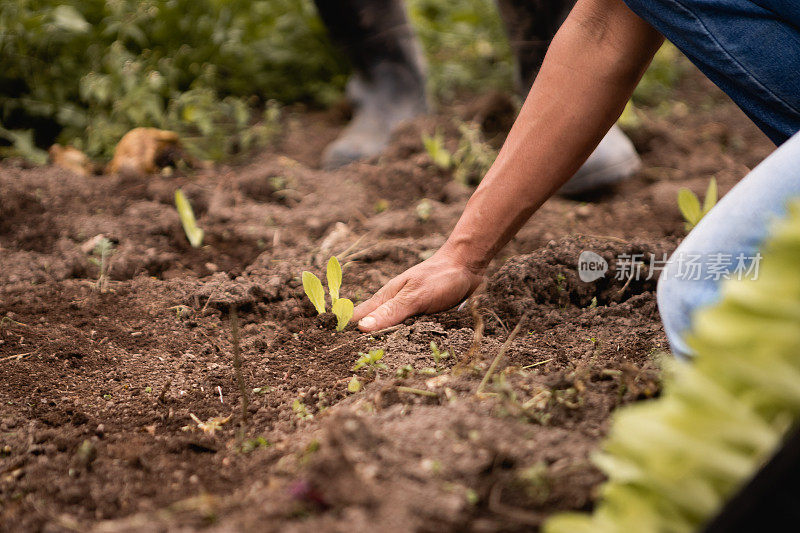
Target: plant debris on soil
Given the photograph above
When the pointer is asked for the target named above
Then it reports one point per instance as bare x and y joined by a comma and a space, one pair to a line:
121, 409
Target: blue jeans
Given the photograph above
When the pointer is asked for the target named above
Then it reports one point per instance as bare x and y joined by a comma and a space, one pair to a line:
730, 234
751, 50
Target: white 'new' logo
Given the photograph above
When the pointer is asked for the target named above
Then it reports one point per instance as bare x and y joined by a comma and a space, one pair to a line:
591, 266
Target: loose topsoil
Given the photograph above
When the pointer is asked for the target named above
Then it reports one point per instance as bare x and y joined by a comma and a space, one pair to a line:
102, 392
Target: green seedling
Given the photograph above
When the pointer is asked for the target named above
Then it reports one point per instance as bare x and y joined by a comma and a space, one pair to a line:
210, 426
193, 232
535, 481
334, 275
371, 360
354, 385
301, 410
674, 462
434, 145
438, 355
689, 204
102, 251
313, 288
251, 445
473, 157
404, 371
561, 284
341, 307
424, 210
381, 205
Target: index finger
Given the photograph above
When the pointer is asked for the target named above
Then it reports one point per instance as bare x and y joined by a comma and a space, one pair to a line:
384, 294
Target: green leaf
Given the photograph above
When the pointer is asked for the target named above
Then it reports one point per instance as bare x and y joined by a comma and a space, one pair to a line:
711, 196
68, 18
672, 462
434, 145
193, 232
22, 145
334, 278
354, 385
343, 309
313, 287
689, 205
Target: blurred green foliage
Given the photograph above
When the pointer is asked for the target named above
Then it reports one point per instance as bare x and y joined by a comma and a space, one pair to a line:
89, 70
84, 72
466, 46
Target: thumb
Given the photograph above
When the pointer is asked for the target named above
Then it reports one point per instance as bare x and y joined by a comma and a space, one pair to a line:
389, 313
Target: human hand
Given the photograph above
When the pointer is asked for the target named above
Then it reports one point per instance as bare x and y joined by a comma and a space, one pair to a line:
436, 284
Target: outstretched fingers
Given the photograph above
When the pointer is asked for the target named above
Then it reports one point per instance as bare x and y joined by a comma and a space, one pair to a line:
392, 311
386, 293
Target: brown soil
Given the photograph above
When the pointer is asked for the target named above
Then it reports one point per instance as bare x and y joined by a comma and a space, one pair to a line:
99, 389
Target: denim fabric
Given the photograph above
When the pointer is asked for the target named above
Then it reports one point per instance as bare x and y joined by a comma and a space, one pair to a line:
738, 224
749, 48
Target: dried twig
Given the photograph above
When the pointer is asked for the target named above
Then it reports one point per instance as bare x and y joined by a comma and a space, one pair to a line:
17, 356
418, 392
477, 337
499, 321
213, 293
624, 287
500, 354
537, 364
237, 362
383, 331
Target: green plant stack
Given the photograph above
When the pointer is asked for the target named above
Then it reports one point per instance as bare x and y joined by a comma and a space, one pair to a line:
673, 462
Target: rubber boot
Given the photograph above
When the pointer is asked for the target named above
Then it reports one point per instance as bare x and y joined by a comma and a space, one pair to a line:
388, 84
531, 25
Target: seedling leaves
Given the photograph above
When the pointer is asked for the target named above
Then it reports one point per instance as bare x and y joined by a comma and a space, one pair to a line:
711, 196
343, 309
313, 287
689, 205
334, 280
434, 145
193, 232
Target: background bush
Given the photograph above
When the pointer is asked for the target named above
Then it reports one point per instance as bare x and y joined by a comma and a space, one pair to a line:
87, 71
84, 72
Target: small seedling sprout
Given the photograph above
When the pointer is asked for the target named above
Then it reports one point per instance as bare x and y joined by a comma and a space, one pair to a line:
334, 275
434, 145
313, 288
102, 251
354, 385
193, 232
424, 210
438, 355
341, 307
301, 410
371, 360
404, 371
689, 204
251, 445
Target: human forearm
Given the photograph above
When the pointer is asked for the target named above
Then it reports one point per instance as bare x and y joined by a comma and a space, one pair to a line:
589, 73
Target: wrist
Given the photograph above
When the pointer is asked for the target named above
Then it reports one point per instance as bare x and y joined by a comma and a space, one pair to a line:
464, 252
